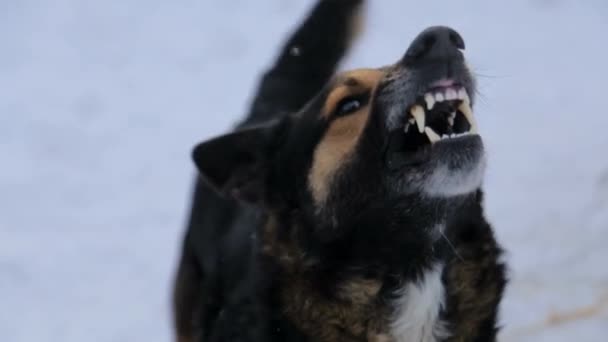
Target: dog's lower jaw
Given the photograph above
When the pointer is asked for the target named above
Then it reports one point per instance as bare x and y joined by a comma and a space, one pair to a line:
445, 182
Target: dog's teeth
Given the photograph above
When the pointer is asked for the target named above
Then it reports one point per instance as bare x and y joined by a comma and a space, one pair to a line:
430, 101
462, 94
451, 94
433, 137
468, 114
410, 122
439, 97
466, 99
451, 119
418, 114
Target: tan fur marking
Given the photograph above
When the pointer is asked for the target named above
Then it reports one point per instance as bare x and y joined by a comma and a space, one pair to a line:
340, 319
334, 97
367, 79
343, 133
335, 148
476, 298
352, 313
360, 291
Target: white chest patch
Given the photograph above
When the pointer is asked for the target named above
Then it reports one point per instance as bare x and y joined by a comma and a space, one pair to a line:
417, 310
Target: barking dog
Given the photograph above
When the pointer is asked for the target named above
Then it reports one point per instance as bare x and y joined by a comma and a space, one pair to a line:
345, 207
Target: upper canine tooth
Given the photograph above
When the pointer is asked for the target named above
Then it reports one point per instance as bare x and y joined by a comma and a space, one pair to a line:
466, 99
439, 97
430, 101
433, 137
418, 114
451, 94
465, 108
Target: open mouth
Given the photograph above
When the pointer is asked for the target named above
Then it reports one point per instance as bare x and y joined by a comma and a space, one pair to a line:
442, 115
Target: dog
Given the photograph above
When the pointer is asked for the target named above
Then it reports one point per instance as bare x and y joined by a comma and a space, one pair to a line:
345, 207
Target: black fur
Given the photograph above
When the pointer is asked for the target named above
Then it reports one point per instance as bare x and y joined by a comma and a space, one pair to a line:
231, 283
206, 272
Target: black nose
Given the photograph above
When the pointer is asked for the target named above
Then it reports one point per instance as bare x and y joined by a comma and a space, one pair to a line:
435, 44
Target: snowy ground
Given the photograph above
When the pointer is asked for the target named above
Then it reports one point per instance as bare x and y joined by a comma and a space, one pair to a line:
101, 101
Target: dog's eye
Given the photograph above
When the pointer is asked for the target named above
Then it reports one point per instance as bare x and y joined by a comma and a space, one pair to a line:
350, 105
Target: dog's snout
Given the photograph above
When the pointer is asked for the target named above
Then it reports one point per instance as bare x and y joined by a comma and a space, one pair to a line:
435, 44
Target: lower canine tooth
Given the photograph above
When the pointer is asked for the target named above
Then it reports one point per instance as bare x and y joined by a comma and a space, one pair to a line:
433, 137
418, 114
430, 101
466, 100
468, 114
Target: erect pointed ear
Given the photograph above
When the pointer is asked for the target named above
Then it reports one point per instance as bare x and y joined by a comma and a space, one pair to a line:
237, 164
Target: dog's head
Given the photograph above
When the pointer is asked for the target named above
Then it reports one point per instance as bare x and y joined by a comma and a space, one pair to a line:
385, 145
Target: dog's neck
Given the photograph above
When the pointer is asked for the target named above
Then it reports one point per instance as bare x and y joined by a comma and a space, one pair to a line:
418, 306
362, 287
401, 240
369, 292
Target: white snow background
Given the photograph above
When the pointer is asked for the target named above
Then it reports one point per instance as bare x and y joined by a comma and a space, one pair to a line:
101, 102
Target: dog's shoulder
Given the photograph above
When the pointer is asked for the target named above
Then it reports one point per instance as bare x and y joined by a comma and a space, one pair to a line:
221, 285
477, 276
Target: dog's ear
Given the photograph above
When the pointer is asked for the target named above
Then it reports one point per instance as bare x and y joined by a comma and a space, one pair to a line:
237, 164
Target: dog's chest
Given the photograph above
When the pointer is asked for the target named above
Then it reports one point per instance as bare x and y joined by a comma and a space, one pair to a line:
417, 310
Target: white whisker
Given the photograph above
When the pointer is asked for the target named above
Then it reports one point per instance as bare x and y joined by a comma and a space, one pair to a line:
451, 246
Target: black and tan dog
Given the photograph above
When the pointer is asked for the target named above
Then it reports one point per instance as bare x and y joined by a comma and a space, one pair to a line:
346, 207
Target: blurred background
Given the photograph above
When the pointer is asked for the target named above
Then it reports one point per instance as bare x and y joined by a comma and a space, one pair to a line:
101, 102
